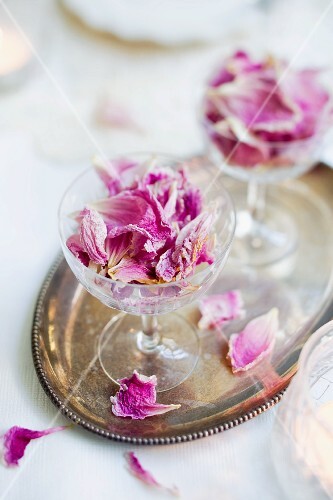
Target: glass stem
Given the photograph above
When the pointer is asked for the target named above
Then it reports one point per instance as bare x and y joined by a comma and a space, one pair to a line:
149, 337
256, 203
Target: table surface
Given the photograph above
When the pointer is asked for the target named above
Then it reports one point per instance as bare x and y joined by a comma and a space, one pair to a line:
47, 138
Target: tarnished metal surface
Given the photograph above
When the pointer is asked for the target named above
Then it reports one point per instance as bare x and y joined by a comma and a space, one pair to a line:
68, 321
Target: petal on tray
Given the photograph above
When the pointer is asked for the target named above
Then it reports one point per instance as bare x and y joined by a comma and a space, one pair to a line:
16, 439
136, 398
135, 468
216, 310
254, 343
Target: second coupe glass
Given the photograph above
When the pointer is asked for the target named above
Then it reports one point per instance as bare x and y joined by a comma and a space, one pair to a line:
265, 123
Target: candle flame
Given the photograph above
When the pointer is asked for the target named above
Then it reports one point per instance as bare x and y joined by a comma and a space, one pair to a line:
15, 54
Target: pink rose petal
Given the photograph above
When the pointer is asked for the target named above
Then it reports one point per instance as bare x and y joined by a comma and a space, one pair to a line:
136, 398
238, 144
116, 174
238, 63
254, 343
93, 233
135, 211
216, 310
135, 468
75, 246
244, 100
182, 202
206, 254
190, 247
190, 243
129, 270
116, 248
16, 439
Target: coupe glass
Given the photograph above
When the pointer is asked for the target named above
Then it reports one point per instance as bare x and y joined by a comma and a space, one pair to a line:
302, 443
266, 231
148, 336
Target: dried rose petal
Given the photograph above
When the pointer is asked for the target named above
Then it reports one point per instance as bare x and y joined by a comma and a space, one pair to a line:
129, 270
116, 174
206, 254
166, 268
244, 100
182, 202
136, 398
255, 342
219, 309
93, 233
16, 439
305, 90
75, 246
190, 243
189, 248
116, 248
135, 211
135, 468
244, 116
238, 144
238, 63
190, 207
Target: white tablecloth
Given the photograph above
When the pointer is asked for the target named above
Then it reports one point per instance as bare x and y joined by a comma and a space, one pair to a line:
43, 146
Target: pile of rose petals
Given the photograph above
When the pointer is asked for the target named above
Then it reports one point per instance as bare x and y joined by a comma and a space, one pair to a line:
252, 107
150, 229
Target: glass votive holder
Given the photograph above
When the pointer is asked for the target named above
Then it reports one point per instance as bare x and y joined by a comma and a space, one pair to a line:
302, 440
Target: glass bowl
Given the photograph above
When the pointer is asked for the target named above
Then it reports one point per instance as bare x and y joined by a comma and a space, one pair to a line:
265, 234
147, 335
302, 442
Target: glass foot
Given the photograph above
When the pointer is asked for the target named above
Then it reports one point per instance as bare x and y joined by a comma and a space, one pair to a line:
172, 355
265, 241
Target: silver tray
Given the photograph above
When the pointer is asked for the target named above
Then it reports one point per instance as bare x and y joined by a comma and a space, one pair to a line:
68, 320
